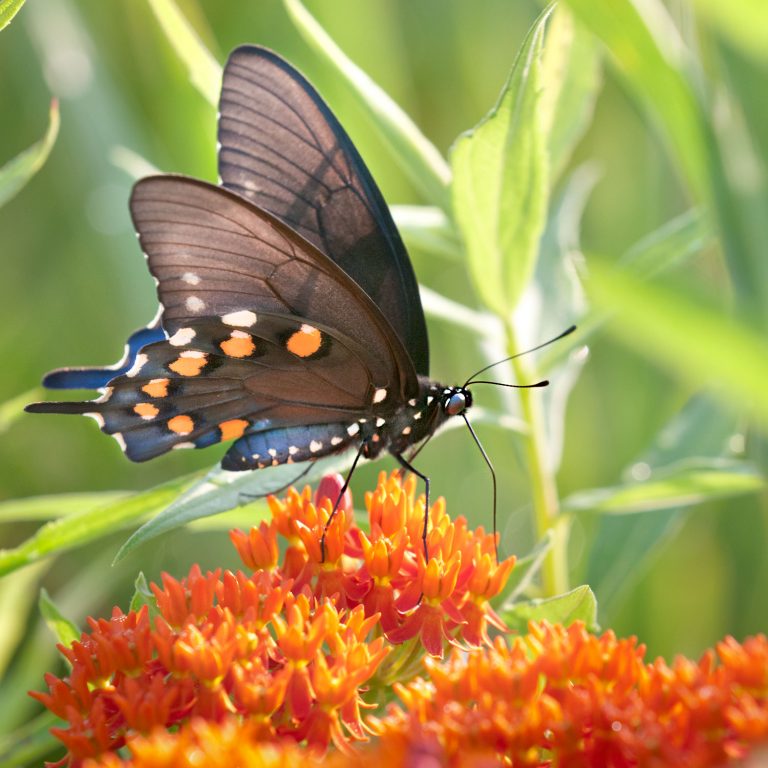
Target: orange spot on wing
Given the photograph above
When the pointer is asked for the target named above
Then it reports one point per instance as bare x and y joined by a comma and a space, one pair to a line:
181, 425
146, 410
305, 342
156, 388
186, 365
238, 345
232, 429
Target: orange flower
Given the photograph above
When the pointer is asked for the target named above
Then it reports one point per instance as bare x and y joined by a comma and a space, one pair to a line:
574, 699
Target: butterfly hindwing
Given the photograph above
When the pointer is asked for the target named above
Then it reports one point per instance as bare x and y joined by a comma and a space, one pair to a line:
214, 381
284, 150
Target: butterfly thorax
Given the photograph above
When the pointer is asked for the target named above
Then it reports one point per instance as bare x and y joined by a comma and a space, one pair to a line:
414, 421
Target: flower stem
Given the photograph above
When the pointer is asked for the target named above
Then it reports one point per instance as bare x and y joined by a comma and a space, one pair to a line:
546, 505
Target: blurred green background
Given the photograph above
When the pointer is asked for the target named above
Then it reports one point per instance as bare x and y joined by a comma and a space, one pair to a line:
74, 283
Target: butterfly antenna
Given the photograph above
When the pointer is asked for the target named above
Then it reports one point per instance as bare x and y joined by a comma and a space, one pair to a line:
493, 479
469, 381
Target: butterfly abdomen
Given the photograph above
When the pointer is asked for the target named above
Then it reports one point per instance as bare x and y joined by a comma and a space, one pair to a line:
287, 445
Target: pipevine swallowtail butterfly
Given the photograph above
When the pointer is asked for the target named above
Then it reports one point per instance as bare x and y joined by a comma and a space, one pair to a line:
290, 319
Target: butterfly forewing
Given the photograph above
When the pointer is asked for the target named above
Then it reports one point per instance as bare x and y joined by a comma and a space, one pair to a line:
283, 149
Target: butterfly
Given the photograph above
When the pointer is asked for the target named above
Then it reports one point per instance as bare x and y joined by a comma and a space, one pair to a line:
290, 319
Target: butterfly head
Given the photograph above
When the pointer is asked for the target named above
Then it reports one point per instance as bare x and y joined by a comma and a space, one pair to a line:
456, 400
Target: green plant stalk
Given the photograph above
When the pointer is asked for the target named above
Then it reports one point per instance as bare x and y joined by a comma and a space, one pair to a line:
546, 504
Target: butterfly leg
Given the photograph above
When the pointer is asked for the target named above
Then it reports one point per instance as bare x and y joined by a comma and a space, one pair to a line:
405, 464
338, 501
493, 480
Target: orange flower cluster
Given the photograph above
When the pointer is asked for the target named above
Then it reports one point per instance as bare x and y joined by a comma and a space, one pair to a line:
568, 698
287, 648
384, 570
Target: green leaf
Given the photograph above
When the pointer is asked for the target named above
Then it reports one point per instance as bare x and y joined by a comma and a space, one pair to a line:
220, 491
500, 184
58, 505
415, 154
691, 481
65, 630
204, 71
8, 9
698, 344
571, 77
17, 172
89, 525
577, 605
142, 596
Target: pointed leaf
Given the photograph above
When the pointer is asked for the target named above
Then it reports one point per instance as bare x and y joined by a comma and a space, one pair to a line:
64, 629
500, 184
220, 491
577, 605
17, 172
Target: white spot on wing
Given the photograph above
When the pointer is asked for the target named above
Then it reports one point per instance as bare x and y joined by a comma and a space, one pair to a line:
138, 364
272, 452
315, 446
406, 431
119, 438
190, 278
244, 318
194, 304
336, 440
182, 337
292, 450
353, 429
183, 446
380, 422
412, 402
194, 353
380, 395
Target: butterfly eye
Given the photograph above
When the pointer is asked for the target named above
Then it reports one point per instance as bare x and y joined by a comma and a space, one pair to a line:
455, 404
